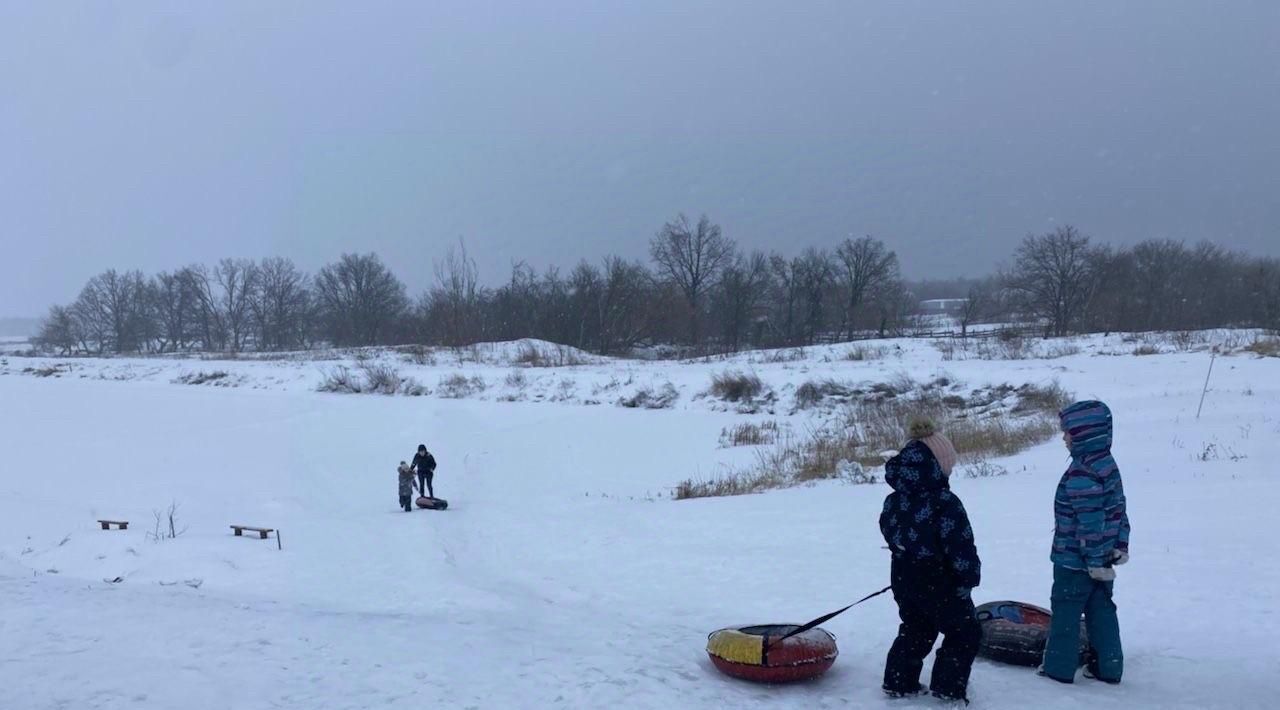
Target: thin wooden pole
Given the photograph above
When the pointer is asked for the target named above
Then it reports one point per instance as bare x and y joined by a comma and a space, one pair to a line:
1204, 391
278, 546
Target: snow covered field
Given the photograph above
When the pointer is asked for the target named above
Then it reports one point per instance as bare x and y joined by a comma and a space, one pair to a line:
562, 575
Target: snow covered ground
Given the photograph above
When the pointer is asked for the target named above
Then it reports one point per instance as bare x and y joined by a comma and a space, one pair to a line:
562, 575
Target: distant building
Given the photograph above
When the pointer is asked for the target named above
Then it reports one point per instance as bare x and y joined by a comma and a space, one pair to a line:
943, 306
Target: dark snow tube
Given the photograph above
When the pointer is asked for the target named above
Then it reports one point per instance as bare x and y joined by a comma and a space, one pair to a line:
1015, 633
745, 653
432, 503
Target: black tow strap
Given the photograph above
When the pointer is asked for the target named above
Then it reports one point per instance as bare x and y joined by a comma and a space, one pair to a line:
826, 618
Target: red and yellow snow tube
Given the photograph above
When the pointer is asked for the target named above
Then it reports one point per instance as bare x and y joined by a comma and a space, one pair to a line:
746, 653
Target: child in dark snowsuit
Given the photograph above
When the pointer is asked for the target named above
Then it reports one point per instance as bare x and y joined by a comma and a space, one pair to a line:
406, 486
1090, 538
935, 566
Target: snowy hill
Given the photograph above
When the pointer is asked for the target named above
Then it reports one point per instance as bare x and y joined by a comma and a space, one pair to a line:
562, 574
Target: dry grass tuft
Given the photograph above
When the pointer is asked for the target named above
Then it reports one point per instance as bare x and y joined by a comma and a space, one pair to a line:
749, 434
850, 447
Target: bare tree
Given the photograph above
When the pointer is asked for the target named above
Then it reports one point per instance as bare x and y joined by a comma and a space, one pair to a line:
742, 289
623, 308
210, 325
691, 257
866, 265
237, 280
112, 311
280, 304
456, 296
359, 299
176, 302
59, 331
1052, 278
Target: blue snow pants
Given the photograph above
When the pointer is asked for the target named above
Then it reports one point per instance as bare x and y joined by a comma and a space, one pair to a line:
1075, 593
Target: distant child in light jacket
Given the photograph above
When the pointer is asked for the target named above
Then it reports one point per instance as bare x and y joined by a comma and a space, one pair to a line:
406, 486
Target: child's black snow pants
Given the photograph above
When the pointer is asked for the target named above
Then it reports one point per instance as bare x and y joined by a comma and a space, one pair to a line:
929, 603
406, 502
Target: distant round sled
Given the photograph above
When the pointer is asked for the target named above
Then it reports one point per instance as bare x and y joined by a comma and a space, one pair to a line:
432, 503
1015, 632
746, 653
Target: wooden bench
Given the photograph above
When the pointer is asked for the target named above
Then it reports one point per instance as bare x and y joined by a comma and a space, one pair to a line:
120, 524
262, 532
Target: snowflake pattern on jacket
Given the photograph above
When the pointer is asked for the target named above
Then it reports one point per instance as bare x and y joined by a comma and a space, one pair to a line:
923, 521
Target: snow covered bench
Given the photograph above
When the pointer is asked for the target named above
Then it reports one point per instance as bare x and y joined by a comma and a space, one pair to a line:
120, 524
262, 532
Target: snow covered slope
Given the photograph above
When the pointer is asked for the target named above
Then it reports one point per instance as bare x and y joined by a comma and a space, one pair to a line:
562, 575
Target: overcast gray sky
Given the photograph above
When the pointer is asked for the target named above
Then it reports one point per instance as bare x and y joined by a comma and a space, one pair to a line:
150, 135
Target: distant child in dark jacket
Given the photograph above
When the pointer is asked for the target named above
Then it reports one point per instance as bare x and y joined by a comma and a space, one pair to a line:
1090, 539
406, 486
935, 567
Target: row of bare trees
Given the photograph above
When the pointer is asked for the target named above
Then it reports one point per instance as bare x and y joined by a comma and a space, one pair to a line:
700, 290
1070, 285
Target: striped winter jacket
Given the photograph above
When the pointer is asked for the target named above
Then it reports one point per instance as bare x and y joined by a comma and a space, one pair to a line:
1089, 506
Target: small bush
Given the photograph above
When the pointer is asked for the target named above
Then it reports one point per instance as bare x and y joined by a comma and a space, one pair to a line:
530, 355
854, 473
947, 348
1146, 350
981, 468
646, 398
341, 380
515, 380
749, 434
733, 386
1004, 347
459, 386
1042, 399
1058, 350
1264, 347
861, 353
413, 388
49, 371
814, 392
200, 378
380, 379
420, 355
733, 484
777, 357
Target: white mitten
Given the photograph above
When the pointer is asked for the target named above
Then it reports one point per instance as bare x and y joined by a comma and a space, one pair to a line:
1119, 557
1102, 574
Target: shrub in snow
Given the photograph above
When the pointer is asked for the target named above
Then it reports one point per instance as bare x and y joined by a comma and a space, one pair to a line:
380, 379
419, 355
854, 473
516, 380
814, 392
200, 378
749, 434
981, 468
341, 381
646, 398
1264, 347
733, 386
459, 386
413, 388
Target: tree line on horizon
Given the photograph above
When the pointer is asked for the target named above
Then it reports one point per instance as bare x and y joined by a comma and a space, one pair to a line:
698, 290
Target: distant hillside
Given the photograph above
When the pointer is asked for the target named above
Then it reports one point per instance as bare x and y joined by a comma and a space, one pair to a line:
24, 327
